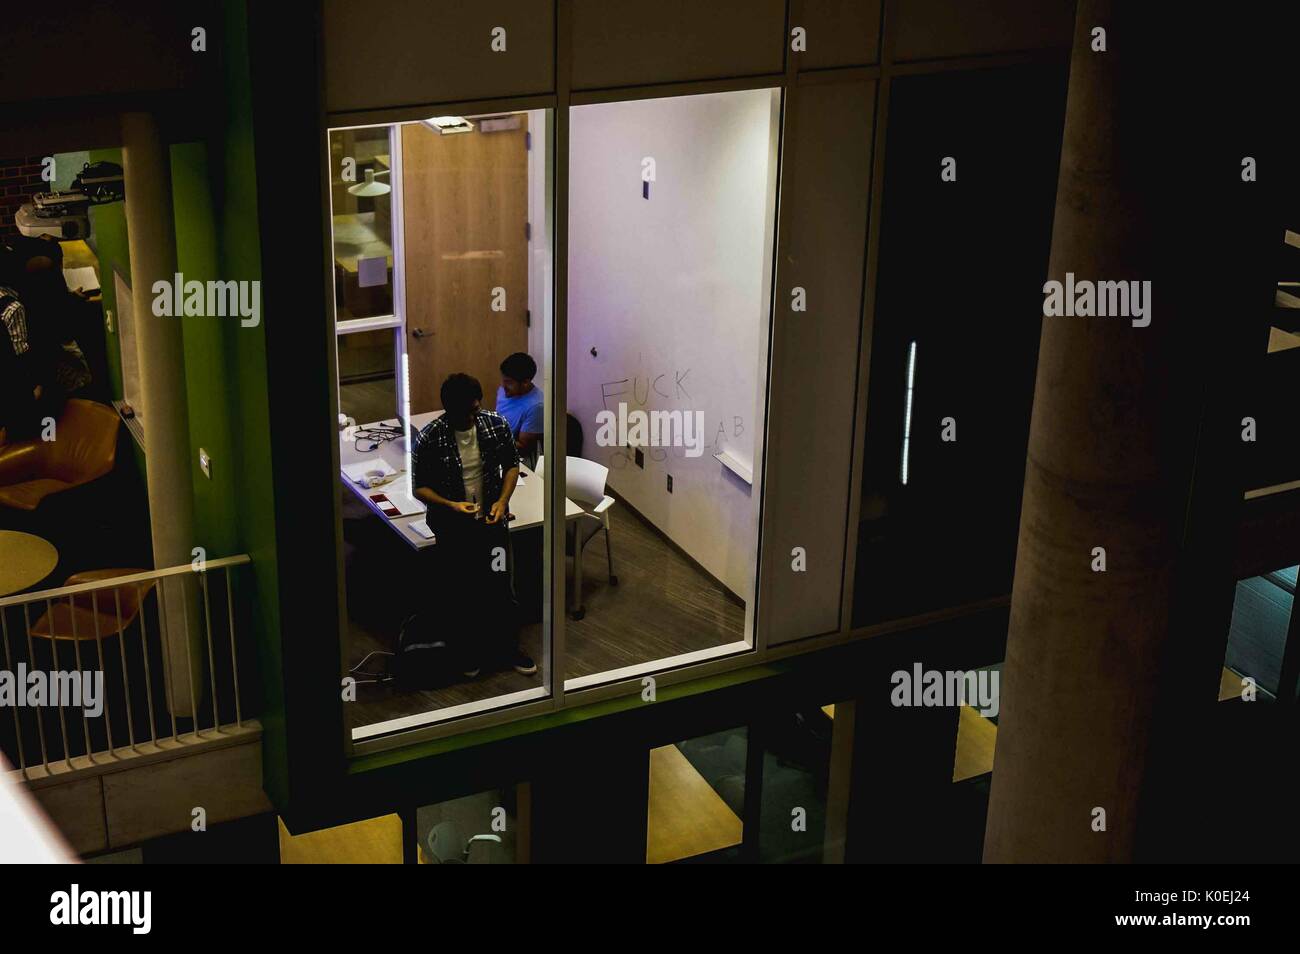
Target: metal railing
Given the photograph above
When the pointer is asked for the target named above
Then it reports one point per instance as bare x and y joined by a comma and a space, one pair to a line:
144, 661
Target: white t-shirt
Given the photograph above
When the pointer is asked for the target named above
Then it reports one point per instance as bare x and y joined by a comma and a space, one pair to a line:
471, 463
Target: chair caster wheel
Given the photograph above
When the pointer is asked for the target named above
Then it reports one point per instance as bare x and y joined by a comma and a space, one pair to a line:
613, 581
578, 614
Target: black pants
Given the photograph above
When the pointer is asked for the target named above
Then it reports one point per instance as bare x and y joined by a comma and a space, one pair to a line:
474, 596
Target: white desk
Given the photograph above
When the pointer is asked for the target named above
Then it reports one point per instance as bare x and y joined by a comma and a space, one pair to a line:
527, 503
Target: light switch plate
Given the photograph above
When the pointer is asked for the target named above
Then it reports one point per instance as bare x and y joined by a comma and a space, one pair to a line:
205, 463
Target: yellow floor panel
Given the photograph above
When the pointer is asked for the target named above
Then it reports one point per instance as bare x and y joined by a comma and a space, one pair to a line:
686, 817
976, 737
1229, 685
376, 841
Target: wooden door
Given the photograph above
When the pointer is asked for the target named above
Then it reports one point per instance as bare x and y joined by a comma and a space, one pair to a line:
466, 212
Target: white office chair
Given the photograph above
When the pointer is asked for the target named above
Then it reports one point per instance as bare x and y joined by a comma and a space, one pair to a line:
446, 845
585, 486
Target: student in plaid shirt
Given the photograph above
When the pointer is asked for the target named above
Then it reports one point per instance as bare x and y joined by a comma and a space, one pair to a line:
465, 466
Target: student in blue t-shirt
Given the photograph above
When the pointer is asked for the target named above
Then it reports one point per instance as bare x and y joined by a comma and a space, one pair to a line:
520, 402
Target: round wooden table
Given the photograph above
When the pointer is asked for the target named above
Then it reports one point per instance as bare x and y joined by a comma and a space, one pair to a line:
25, 560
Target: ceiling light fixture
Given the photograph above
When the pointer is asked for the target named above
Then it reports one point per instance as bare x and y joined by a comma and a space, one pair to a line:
370, 187
450, 124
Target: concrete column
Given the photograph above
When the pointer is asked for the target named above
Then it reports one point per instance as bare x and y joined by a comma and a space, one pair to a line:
150, 234
1109, 465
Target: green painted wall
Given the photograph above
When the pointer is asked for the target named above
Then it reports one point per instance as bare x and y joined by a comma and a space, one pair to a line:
211, 403
67, 166
240, 255
108, 238
214, 195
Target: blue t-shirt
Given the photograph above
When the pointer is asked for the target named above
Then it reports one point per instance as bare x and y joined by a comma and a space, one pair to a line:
525, 413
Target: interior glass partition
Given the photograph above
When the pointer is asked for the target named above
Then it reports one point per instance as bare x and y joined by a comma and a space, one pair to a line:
672, 208
1255, 666
966, 219
443, 259
442, 241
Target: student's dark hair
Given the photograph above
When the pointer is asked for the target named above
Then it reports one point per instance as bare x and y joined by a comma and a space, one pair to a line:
519, 366
459, 392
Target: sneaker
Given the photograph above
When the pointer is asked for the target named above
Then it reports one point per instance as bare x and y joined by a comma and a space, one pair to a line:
523, 663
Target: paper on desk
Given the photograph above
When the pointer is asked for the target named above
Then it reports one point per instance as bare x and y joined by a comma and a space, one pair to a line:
372, 271
358, 472
402, 501
82, 277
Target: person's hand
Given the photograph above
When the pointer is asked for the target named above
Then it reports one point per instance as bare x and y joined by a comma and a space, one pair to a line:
463, 506
498, 512
37, 392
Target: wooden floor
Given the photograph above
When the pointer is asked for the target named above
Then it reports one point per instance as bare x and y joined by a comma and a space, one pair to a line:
664, 605
376, 841
686, 817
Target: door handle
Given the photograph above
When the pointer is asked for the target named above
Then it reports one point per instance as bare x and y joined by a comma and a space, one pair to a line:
419, 333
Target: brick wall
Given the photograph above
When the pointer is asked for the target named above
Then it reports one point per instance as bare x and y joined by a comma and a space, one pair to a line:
19, 178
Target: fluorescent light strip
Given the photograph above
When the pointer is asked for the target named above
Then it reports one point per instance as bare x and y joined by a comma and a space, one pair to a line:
907, 411
406, 420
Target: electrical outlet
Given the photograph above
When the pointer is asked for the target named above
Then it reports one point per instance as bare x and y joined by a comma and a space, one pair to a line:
108, 320
670, 483
205, 463
640, 459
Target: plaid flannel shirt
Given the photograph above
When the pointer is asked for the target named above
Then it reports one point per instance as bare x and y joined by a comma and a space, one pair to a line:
14, 317
435, 459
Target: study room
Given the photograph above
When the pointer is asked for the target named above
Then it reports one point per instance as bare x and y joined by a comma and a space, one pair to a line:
445, 319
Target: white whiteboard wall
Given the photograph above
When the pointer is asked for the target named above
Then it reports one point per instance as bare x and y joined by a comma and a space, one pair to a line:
673, 294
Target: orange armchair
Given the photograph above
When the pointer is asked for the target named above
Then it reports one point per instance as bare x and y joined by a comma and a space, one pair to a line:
84, 449
96, 614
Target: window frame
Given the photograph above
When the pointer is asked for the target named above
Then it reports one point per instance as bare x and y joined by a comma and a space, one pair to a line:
754, 649
397, 319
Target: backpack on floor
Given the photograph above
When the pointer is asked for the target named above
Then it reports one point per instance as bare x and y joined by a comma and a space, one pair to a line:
425, 659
